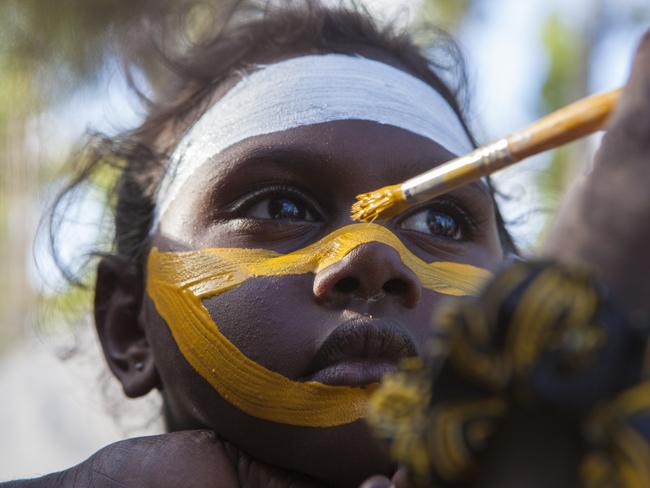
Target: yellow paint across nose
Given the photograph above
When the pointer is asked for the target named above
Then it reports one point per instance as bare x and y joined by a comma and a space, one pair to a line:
177, 282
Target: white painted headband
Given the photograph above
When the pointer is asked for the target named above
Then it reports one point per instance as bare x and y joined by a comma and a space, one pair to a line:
310, 90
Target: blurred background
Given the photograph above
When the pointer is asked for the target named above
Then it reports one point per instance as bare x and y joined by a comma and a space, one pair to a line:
60, 77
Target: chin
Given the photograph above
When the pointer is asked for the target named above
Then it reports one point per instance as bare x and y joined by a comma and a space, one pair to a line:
342, 456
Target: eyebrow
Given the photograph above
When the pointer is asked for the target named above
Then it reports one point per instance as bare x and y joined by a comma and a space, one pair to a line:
229, 163
283, 156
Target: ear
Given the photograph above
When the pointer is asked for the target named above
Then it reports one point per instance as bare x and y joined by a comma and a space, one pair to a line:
118, 300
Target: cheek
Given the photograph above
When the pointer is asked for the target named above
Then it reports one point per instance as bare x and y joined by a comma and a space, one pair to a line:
492, 254
274, 321
419, 321
186, 394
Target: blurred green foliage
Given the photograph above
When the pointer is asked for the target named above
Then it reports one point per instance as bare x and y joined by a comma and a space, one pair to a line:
448, 14
567, 68
568, 51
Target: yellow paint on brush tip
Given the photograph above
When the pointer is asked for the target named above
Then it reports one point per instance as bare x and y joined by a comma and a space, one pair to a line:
177, 282
385, 202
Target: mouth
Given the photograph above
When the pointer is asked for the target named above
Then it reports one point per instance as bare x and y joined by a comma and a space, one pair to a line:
360, 352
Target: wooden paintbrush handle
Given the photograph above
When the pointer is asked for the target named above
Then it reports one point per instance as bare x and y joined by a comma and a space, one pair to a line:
564, 125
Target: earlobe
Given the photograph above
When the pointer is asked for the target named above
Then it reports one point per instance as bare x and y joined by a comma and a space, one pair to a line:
118, 300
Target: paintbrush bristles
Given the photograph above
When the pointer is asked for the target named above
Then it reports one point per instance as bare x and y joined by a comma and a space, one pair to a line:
385, 202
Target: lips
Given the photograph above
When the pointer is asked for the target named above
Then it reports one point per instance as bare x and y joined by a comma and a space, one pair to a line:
360, 352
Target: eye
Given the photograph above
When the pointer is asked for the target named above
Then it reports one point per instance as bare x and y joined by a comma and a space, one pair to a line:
281, 208
434, 222
277, 202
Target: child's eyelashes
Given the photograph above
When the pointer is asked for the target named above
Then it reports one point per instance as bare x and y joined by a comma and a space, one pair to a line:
430, 221
442, 219
277, 202
281, 208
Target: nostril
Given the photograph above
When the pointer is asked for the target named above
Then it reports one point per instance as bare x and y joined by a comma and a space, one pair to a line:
347, 285
395, 287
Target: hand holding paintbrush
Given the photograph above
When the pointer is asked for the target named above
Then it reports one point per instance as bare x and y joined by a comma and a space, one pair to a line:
565, 125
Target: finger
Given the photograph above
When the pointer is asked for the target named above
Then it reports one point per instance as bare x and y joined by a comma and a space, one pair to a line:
629, 128
377, 482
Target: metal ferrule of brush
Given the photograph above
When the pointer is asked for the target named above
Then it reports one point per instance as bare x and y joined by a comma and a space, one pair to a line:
458, 172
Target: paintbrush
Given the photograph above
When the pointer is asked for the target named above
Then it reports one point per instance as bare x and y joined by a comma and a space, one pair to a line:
565, 125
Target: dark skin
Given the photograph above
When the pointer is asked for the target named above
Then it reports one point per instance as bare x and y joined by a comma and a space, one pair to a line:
358, 156
317, 170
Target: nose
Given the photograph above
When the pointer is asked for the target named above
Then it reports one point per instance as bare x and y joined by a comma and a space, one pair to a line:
371, 272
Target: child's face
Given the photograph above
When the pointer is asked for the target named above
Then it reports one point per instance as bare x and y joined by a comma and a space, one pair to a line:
281, 192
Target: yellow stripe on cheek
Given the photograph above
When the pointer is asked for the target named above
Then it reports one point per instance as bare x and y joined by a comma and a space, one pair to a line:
177, 283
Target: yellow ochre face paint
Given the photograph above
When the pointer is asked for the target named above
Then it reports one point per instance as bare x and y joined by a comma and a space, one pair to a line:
177, 282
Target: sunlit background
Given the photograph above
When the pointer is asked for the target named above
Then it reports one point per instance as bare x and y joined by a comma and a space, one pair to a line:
60, 76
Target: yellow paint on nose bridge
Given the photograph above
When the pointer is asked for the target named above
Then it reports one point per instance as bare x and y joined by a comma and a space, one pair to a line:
209, 272
177, 282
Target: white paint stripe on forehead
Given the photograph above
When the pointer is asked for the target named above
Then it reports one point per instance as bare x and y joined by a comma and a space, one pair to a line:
310, 90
